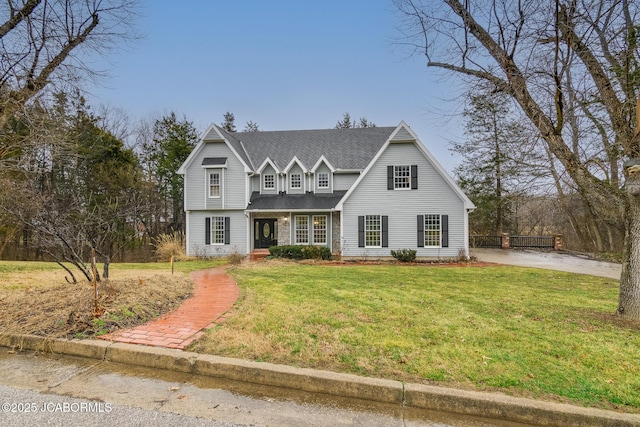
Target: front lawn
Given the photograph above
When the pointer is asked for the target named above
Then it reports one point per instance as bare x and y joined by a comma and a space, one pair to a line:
523, 331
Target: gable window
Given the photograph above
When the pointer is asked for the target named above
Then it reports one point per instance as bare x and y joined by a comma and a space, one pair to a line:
302, 229
214, 184
323, 180
217, 230
269, 181
320, 229
373, 231
433, 231
295, 181
403, 177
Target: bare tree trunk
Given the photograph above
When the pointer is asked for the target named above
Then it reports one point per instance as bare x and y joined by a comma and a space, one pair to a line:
629, 299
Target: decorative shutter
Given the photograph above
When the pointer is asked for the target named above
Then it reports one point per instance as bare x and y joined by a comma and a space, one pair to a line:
385, 231
227, 230
444, 219
361, 232
421, 231
389, 177
207, 231
414, 177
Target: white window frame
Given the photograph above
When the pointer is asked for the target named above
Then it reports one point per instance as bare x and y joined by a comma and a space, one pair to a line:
402, 177
430, 230
298, 222
264, 181
370, 229
328, 180
217, 230
291, 186
219, 185
323, 229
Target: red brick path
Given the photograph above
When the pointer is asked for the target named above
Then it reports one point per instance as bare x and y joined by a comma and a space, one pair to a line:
213, 295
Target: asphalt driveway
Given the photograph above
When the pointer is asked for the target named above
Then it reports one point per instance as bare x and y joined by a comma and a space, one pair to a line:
559, 261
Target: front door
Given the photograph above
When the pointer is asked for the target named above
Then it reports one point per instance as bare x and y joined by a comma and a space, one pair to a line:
265, 233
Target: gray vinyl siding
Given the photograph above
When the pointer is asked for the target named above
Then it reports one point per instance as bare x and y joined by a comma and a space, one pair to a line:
197, 185
433, 196
344, 181
196, 245
254, 184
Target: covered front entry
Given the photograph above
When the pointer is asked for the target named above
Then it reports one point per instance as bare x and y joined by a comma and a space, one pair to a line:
265, 233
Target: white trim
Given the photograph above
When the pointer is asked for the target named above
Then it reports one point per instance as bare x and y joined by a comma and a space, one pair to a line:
292, 162
326, 162
264, 164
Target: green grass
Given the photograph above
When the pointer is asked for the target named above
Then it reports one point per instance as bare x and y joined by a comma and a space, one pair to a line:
524, 331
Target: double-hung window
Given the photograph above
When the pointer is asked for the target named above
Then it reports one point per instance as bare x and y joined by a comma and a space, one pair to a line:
217, 230
433, 231
214, 185
302, 229
402, 177
372, 231
319, 229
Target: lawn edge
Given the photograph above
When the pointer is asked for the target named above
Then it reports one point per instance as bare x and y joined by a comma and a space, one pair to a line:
405, 395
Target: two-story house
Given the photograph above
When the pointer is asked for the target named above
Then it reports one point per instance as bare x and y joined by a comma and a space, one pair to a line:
362, 192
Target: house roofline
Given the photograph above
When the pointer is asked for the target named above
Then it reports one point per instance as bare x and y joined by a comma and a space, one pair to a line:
468, 204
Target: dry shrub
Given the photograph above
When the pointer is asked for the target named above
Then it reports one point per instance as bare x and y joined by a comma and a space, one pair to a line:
57, 309
168, 245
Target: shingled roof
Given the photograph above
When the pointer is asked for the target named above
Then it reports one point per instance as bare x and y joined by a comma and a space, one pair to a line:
343, 148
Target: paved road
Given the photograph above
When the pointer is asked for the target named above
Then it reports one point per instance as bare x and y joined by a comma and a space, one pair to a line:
101, 393
550, 261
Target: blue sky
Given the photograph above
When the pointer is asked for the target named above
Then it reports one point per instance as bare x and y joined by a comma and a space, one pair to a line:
284, 64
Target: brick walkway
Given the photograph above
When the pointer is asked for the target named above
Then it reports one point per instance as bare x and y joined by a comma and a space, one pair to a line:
213, 295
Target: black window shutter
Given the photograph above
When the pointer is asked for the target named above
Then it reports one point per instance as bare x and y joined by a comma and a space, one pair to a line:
445, 230
207, 231
421, 231
389, 177
385, 231
414, 177
361, 232
227, 230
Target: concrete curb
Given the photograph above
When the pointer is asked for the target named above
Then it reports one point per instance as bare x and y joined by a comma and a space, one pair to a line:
488, 405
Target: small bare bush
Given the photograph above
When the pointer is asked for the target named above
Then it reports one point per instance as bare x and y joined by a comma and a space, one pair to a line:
168, 245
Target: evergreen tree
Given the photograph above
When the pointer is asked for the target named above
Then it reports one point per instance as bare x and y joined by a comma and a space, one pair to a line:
490, 170
229, 122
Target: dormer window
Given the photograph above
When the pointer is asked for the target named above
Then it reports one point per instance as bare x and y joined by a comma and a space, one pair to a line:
323, 180
269, 182
295, 181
